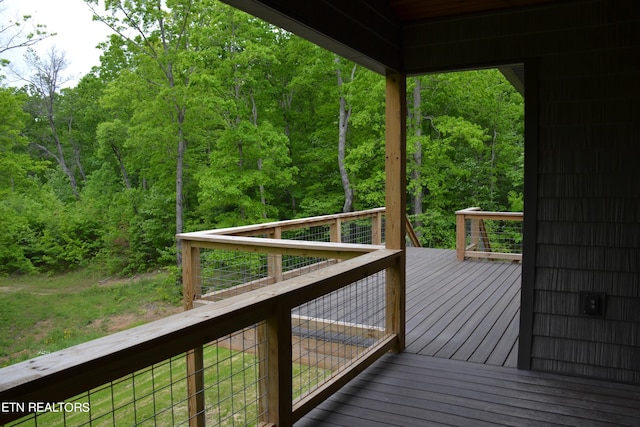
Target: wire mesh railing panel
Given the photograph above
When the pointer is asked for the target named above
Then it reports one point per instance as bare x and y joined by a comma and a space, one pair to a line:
317, 233
506, 236
225, 273
299, 265
222, 271
489, 235
158, 396
330, 332
357, 231
155, 396
232, 377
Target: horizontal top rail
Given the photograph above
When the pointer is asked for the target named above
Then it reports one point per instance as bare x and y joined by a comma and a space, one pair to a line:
285, 247
291, 224
63, 374
477, 213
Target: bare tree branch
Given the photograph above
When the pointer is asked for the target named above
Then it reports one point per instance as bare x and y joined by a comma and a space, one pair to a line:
19, 32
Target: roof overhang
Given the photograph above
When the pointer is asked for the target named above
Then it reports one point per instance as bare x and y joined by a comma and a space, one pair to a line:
367, 33
372, 33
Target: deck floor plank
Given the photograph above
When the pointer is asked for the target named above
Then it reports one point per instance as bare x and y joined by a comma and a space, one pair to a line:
408, 390
482, 306
466, 314
479, 329
494, 334
462, 310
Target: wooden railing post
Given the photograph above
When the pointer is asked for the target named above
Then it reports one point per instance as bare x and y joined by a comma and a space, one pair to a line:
376, 229
195, 387
461, 240
278, 378
191, 289
274, 261
335, 231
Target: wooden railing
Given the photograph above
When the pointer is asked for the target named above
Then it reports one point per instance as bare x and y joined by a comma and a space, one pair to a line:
276, 239
267, 238
476, 239
336, 229
67, 373
274, 229
79, 370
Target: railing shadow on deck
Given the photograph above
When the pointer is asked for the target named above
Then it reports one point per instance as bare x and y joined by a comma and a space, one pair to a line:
267, 354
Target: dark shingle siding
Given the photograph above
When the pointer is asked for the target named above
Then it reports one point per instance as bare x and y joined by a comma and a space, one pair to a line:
588, 168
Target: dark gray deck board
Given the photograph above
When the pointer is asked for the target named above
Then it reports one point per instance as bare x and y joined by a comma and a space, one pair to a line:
414, 390
466, 314
462, 310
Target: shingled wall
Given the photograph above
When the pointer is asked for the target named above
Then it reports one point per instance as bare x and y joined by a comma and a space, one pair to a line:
582, 197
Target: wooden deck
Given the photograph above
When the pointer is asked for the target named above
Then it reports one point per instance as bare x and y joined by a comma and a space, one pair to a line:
462, 310
459, 364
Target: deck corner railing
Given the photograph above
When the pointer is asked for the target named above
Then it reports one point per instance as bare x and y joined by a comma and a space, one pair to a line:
488, 235
321, 337
307, 317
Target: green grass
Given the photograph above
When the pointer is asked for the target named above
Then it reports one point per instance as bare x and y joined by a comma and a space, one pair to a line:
158, 396
42, 314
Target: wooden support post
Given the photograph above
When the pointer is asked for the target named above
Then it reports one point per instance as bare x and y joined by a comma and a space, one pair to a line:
191, 290
274, 261
278, 379
191, 285
376, 229
395, 169
461, 240
335, 231
195, 387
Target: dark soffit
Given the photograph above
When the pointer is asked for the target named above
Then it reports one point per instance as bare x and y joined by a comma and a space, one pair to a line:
410, 11
368, 32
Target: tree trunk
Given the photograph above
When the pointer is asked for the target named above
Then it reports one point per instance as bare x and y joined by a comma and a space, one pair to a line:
343, 127
254, 122
416, 174
123, 169
492, 188
46, 81
76, 151
60, 157
182, 148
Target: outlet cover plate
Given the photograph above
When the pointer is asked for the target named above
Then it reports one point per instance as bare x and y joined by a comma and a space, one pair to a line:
593, 304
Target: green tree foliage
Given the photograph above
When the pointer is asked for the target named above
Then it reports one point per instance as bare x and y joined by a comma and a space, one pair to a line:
16, 184
472, 145
309, 107
249, 166
201, 116
158, 37
15, 162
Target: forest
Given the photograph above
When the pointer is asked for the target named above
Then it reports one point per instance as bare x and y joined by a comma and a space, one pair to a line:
200, 116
